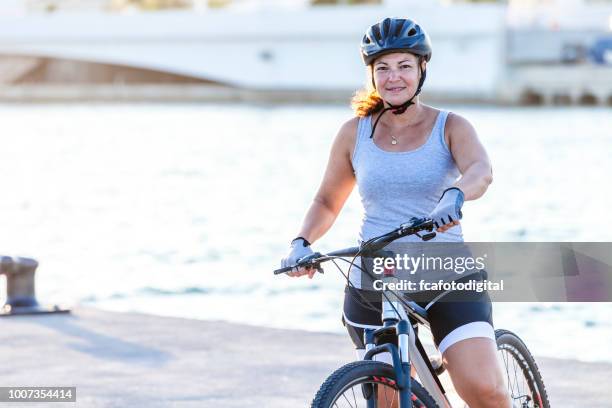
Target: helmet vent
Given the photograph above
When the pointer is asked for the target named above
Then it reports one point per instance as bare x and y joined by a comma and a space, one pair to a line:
398, 30
376, 32
386, 25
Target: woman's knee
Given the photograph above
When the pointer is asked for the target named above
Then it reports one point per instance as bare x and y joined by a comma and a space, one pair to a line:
476, 373
488, 392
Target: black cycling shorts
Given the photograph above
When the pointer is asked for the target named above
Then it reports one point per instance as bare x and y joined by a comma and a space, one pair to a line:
444, 315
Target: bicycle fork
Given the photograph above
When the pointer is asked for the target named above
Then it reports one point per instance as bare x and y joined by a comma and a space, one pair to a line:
397, 323
392, 324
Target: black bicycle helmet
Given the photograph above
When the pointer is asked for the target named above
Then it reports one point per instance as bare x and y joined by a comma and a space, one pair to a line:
395, 35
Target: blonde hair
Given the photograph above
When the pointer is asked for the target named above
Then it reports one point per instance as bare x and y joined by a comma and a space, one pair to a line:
367, 101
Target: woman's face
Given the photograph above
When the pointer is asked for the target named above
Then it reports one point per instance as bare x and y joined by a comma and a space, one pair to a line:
396, 77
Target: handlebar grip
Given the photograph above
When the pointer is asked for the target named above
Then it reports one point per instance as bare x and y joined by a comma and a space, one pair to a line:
307, 261
289, 268
283, 270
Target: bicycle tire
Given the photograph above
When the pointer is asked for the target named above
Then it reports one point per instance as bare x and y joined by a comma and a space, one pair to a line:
514, 346
364, 372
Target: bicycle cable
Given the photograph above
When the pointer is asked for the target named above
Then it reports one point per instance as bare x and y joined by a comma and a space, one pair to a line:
364, 301
405, 303
362, 247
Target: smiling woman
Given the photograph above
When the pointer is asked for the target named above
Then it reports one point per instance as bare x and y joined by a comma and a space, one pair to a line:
397, 74
420, 162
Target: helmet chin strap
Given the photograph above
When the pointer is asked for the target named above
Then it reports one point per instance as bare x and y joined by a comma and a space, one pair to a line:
399, 109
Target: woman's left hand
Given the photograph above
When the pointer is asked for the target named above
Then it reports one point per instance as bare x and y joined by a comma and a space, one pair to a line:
448, 211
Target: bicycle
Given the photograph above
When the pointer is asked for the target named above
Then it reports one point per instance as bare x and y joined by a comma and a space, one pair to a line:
367, 382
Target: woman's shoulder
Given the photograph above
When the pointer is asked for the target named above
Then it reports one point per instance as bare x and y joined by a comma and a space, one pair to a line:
350, 126
346, 139
347, 135
457, 128
458, 125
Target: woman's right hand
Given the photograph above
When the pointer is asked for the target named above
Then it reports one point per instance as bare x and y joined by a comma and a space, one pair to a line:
337, 184
299, 249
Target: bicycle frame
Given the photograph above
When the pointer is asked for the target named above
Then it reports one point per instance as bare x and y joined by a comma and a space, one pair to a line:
397, 313
409, 351
394, 316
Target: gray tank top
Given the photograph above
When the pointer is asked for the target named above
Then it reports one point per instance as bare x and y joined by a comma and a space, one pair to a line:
395, 186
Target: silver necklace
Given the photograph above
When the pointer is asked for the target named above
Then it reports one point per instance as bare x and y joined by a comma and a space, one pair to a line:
393, 140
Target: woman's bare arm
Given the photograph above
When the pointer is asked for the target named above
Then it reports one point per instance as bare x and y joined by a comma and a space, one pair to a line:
338, 182
471, 158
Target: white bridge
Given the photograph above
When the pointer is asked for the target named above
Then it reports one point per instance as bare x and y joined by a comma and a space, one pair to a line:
309, 48
282, 49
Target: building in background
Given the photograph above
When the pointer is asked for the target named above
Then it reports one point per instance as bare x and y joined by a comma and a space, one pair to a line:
519, 51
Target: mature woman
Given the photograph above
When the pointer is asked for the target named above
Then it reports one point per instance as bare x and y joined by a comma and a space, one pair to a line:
417, 161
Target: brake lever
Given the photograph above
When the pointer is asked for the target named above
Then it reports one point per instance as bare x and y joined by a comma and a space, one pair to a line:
310, 261
407, 225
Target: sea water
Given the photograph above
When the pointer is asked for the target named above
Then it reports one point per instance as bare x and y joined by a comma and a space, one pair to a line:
185, 209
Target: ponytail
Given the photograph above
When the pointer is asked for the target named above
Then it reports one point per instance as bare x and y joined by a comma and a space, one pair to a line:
367, 101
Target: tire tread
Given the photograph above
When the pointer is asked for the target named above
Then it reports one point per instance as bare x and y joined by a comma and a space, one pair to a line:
499, 333
343, 375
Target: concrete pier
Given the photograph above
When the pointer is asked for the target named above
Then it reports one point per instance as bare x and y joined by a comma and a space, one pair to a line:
558, 85
136, 360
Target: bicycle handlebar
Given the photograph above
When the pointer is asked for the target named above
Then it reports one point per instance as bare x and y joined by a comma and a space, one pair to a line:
370, 248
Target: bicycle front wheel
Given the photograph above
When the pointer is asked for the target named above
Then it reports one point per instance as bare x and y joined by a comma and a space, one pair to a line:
356, 383
524, 380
